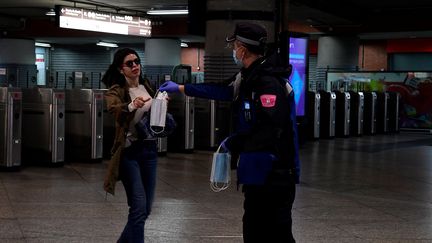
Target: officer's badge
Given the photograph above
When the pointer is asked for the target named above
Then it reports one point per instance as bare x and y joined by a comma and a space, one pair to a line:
268, 100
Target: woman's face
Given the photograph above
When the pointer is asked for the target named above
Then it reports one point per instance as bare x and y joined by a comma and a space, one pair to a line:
131, 67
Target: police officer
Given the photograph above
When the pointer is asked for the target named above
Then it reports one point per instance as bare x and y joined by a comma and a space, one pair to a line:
264, 113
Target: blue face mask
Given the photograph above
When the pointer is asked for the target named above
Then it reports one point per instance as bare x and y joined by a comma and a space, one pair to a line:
236, 60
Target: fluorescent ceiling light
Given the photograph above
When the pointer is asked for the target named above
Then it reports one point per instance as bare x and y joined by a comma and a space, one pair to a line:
51, 12
184, 44
42, 44
101, 43
168, 12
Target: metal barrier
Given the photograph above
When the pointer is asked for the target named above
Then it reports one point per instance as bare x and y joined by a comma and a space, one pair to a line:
356, 113
382, 112
313, 114
43, 130
369, 113
342, 113
393, 111
204, 117
108, 130
10, 126
327, 114
84, 124
183, 109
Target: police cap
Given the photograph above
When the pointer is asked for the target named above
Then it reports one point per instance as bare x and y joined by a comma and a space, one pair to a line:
249, 33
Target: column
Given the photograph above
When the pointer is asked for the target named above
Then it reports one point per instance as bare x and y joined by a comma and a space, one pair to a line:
336, 53
160, 57
222, 17
17, 62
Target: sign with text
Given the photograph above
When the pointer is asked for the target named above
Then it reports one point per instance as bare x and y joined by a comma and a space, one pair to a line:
92, 20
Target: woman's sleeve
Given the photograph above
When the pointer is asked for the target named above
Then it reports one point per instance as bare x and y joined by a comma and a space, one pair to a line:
116, 107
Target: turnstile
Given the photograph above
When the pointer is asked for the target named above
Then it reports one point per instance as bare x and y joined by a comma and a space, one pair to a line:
183, 110
108, 131
382, 112
212, 122
204, 117
343, 108
222, 121
369, 112
393, 111
327, 114
10, 127
162, 145
313, 114
43, 130
356, 113
84, 124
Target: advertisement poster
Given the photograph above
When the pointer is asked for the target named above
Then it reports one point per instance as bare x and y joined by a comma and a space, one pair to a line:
415, 89
298, 60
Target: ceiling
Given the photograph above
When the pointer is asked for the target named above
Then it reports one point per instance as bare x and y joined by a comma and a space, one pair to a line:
370, 19
365, 16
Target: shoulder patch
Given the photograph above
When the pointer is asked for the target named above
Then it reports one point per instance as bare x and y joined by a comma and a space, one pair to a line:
268, 100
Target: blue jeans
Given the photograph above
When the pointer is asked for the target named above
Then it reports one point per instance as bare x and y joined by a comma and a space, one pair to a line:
138, 174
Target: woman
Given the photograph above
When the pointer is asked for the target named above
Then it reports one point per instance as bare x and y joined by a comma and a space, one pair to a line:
133, 161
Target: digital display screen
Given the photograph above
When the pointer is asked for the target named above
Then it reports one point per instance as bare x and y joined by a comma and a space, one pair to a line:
298, 60
92, 20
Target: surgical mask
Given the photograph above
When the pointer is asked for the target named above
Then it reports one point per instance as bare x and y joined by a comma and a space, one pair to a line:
236, 60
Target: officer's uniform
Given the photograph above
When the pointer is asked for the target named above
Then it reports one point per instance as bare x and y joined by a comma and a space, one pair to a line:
264, 118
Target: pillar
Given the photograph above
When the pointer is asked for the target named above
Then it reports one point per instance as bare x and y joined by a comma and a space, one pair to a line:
336, 53
161, 56
17, 62
222, 17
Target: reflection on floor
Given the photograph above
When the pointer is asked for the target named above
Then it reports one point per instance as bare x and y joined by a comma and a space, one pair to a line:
360, 189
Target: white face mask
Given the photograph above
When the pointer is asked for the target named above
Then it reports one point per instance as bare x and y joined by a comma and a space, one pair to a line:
236, 60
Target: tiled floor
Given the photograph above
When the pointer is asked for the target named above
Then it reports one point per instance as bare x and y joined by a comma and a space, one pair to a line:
362, 189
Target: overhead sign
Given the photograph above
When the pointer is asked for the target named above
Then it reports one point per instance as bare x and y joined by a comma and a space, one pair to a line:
92, 20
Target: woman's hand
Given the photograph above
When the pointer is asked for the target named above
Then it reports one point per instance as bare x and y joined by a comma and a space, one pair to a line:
139, 102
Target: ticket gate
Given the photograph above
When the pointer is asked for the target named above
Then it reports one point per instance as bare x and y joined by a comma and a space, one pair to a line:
327, 114
343, 110
313, 115
369, 113
10, 127
222, 122
382, 112
108, 130
43, 130
393, 111
212, 122
162, 145
204, 117
84, 124
356, 113
183, 110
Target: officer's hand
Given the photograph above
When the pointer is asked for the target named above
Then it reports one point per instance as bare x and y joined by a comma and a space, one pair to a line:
170, 87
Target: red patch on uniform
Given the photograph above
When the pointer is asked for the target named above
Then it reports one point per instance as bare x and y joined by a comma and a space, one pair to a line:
268, 100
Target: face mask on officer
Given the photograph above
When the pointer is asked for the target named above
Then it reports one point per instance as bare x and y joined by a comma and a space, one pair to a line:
237, 60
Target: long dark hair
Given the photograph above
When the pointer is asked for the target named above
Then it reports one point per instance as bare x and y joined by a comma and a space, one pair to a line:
112, 75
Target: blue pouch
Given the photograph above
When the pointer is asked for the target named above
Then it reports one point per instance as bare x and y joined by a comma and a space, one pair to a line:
220, 176
253, 168
145, 131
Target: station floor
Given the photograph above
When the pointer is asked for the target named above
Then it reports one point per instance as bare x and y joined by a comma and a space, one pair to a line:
357, 189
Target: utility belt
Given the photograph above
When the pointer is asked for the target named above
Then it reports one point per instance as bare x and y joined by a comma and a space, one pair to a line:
259, 168
253, 168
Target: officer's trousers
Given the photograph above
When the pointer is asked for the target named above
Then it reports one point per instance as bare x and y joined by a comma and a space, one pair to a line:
267, 213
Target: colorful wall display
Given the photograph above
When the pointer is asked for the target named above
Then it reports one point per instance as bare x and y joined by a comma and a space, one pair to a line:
298, 60
415, 89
